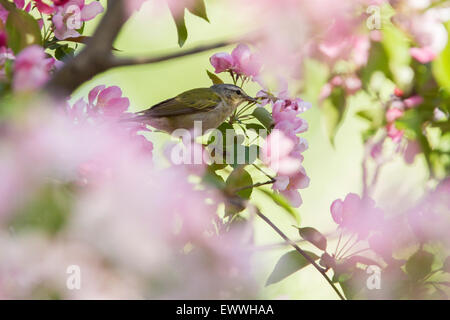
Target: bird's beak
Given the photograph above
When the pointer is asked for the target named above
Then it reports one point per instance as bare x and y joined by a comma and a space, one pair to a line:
250, 99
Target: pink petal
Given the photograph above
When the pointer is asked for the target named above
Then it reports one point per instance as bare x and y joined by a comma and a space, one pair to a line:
109, 94
336, 210
413, 102
294, 197
91, 10
221, 62
116, 106
94, 93
423, 55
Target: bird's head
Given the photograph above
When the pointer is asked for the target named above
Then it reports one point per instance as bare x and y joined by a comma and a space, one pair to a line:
232, 94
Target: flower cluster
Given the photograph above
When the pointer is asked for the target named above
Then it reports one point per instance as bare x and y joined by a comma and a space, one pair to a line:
108, 106
424, 22
282, 151
241, 61
349, 83
396, 110
357, 215
145, 216
32, 69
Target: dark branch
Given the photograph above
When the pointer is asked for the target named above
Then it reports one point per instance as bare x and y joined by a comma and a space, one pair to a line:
93, 59
122, 62
97, 55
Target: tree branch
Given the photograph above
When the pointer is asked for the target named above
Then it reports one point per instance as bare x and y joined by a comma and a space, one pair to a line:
299, 250
97, 55
123, 62
93, 59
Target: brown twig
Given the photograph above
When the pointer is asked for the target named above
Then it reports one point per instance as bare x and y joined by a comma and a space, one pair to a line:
123, 62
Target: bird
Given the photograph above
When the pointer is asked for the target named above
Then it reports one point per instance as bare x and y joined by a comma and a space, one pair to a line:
212, 106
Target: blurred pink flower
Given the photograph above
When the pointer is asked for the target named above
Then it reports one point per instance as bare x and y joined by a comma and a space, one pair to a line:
413, 101
352, 84
356, 215
31, 69
70, 17
43, 7
3, 14
276, 153
393, 133
411, 151
19, 4
423, 55
393, 114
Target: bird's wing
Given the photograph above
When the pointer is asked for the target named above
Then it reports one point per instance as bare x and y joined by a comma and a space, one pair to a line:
192, 101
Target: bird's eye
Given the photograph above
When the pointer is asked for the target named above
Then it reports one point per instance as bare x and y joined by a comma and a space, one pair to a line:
239, 92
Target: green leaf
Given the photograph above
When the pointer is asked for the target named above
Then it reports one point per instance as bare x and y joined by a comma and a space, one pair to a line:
333, 110
212, 178
441, 66
264, 117
313, 236
215, 79
255, 127
22, 30
397, 46
240, 178
198, 9
283, 203
288, 264
62, 52
180, 23
378, 61
419, 265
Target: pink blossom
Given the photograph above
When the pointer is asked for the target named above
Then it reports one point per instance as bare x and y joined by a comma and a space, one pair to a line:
245, 62
423, 55
31, 69
70, 17
393, 133
242, 61
376, 150
44, 8
19, 4
413, 101
412, 150
222, 62
288, 186
336, 210
109, 101
357, 215
393, 114
284, 113
3, 14
276, 153
352, 85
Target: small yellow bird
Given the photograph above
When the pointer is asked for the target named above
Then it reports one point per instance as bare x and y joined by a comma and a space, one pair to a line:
212, 106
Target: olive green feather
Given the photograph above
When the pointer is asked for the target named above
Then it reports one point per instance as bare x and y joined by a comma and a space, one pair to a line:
192, 101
